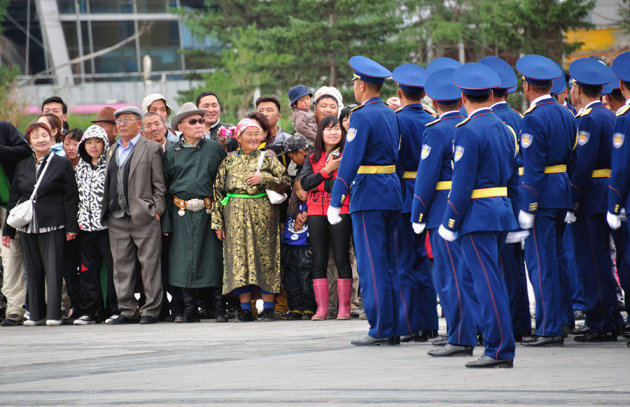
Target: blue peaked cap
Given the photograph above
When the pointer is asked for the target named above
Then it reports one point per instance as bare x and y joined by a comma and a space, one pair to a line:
476, 79
410, 77
589, 72
621, 67
441, 63
368, 70
440, 87
538, 70
505, 71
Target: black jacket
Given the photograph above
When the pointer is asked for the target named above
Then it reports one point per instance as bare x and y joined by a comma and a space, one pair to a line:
57, 198
13, 148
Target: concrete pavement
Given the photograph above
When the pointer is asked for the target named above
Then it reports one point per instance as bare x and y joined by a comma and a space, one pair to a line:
287, 363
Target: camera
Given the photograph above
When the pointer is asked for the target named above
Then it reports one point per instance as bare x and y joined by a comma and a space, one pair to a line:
227, 132
335, 154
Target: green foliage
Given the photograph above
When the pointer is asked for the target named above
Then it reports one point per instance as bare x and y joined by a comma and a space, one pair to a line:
624, 15
272, 45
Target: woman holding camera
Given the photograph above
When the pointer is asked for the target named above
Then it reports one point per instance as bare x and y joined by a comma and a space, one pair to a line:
317, 177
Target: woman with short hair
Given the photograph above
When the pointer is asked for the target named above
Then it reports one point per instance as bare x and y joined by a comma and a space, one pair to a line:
54, 221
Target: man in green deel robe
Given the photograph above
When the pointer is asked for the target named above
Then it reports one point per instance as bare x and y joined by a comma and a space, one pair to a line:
195, 253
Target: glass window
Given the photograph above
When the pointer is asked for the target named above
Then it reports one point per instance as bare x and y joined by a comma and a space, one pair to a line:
162, 44
107, 33
65, 6
109, 6
152, 6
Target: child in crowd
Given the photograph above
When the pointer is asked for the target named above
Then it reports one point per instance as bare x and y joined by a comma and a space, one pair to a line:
297, 257
302, 116
90, 175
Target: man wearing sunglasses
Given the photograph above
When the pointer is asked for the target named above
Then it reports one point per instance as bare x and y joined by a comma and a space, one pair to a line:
134, 191
195, 252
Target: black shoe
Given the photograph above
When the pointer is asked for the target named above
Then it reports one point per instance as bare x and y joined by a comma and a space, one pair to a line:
370, 341
414, 337
452, 350
440, 340
579, 314
146, 319
581, 330
122, 320
294, 315
597, 337
267, 315
307, 315
179, 318
487, 362
12, 320
245, 315
192, 318
544, 341
221, 318
205, 313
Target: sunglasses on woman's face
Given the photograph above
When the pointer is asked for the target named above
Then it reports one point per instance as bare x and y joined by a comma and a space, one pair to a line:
192, 122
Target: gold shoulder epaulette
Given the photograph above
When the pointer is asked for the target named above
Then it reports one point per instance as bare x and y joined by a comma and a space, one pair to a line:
428, 110
398, 110
532, 107
519, 113
356, 108
463, 122
623, 110
584, 112
432, 123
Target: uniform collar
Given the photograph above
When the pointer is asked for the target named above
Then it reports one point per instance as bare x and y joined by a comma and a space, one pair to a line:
480, 110
450, 113
590, 104
540, 99
372, 100
499, 104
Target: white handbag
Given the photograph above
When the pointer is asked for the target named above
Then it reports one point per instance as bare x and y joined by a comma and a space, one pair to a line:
22, 213
274, 197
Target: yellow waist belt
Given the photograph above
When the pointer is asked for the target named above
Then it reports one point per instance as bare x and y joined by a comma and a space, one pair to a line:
552, 169
409, 175
603, 173
443, 186
488, 192
376, 169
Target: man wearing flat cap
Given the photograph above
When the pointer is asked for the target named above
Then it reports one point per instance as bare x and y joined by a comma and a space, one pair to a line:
156, 103
547, 140
195, 252
134, 202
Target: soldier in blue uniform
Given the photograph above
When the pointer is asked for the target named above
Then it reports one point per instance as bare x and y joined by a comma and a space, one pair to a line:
548, 136
417, 301
512, 260
368, 172
619, 183
589, 183
484, 166
450, 275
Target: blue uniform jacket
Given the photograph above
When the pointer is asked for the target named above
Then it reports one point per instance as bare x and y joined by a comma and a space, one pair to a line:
548, 137
435, 165
593, 152
372, 139
484, 157
620, 176
411, 119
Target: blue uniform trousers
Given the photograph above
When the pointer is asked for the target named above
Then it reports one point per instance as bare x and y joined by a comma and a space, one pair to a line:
375, 250
543, 250
481, 251
569, 264
453, 284
417, 300
512, 263
622, 246
592, 254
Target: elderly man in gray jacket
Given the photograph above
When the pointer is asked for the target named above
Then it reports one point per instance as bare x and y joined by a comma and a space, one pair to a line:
134, 192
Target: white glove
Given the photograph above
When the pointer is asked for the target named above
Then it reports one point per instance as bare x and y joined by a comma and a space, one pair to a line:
526, 220
446, 234
418, 228
622, 214
569, 218
614, 221
517, 237
333, 215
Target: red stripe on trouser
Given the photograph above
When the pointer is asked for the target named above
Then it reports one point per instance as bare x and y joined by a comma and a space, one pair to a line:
367, 246
494, 305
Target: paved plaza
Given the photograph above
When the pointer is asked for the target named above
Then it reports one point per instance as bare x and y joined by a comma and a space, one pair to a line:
287, 363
